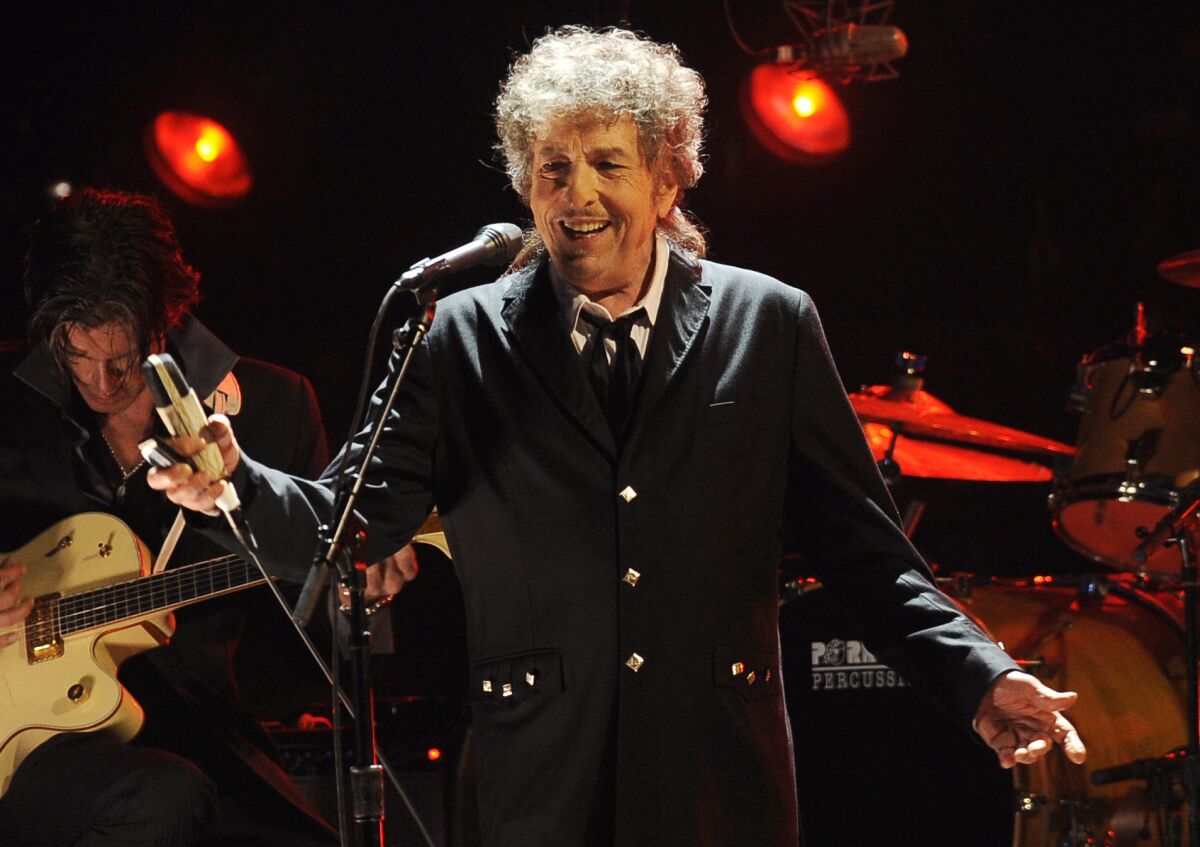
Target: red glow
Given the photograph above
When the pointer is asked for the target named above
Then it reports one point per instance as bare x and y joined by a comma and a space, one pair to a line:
796, 117
198, 159
433, 754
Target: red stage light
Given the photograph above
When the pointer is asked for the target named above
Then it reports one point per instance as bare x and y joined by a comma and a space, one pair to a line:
198, 159
433, 754
796, 116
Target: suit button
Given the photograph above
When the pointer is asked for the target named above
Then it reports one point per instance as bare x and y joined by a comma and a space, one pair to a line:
627, 494
631, 578
635, 662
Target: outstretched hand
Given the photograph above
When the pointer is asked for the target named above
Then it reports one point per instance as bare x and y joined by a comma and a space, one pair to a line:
1021, 719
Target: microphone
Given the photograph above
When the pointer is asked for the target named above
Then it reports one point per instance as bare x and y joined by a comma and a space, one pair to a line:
311, 593
1139, 768
495, 244
181, 412
848, 48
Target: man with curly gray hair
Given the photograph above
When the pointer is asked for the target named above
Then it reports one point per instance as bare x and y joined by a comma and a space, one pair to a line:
620, 437
603, 77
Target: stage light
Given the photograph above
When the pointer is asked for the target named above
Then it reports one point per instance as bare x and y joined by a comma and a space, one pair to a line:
61, 189
787, 102
796, 116
433, 754
198, 159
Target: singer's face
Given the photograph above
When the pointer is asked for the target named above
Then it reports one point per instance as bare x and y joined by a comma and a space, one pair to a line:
104, 362
596, 203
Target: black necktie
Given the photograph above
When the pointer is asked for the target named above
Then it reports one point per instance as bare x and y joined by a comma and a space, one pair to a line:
615, 386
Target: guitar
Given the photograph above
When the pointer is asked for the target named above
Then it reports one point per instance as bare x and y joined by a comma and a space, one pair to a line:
96, 605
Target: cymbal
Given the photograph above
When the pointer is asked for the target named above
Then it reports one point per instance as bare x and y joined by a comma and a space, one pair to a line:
931, 460
1183, 269
924, 424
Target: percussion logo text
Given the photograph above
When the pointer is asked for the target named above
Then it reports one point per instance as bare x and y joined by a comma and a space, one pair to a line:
841, 665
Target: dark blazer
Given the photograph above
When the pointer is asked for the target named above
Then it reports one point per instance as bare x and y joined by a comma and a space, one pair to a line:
622, 602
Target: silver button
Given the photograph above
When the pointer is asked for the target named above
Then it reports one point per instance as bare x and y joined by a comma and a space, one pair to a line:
506, 690
751, 677
736, 668
635, 662
631, 577
530, 677
627, 494
487, 686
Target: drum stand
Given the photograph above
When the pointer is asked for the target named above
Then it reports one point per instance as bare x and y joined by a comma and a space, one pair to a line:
1191, 779
1177, 529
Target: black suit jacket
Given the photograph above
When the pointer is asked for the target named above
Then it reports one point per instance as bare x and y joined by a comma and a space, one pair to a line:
622, 602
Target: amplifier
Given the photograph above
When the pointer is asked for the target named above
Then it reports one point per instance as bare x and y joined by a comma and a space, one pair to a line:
423, 750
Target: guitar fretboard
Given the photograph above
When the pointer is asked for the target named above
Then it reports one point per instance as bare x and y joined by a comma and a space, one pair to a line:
176, 587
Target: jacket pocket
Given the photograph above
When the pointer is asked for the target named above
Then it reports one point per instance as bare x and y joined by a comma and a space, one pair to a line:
751, 672
516, 677
731, 411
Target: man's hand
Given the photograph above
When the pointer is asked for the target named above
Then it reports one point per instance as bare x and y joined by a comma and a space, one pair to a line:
387, 576
1021, 719
190, 488
13, 608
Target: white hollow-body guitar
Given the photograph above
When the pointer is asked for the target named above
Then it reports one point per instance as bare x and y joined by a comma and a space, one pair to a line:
96, 605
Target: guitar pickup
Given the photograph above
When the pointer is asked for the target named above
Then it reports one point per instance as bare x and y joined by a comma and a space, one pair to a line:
43, 639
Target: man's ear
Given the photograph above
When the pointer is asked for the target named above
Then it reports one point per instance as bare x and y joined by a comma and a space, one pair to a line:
666, 191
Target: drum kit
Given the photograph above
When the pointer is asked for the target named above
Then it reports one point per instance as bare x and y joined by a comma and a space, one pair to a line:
1122, 631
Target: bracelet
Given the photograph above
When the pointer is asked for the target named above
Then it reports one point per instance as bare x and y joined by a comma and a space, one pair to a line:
372, 607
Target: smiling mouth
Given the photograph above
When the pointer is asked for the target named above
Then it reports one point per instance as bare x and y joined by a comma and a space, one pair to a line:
589, 229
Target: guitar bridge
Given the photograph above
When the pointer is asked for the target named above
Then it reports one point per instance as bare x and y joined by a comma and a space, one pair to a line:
43, 640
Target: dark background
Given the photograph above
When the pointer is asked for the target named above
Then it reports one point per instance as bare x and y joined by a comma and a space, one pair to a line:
1002, 206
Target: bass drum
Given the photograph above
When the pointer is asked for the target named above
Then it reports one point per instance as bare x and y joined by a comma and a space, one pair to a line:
1122, 649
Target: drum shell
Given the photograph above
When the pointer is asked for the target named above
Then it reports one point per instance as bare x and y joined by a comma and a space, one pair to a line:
1122, 649
1105, 498
1117, 413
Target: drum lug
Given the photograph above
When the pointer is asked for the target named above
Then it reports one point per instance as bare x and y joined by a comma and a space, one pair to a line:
1030, 803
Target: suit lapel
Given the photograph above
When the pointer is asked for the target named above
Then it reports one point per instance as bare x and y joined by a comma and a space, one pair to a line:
535, 325
682, 312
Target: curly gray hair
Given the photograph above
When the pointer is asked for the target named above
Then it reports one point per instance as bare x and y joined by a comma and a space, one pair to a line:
605, 75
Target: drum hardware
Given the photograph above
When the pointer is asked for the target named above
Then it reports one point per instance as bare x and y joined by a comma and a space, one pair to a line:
1030, 803
1159, 774
1078, 833
912, 517
1180, 529
1177, 529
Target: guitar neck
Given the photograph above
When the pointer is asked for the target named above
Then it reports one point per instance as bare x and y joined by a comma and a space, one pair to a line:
159, 592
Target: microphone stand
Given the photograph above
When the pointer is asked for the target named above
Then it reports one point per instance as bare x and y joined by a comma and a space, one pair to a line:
336, 551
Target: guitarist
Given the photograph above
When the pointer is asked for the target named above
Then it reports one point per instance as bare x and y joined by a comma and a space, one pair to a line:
106, 284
